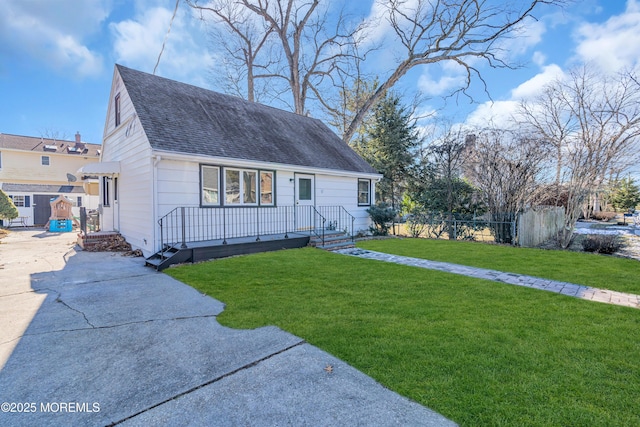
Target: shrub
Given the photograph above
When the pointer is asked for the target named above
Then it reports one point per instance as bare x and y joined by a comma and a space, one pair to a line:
416, 224
381, 215
7, 209
604, 216
602, 243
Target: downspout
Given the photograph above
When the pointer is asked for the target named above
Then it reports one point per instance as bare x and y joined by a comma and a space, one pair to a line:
154, 201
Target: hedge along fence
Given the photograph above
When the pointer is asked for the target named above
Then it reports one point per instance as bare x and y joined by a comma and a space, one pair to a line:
539, 224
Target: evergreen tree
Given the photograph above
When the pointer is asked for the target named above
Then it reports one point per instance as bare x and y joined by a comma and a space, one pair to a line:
8, 210
626, 195
391, 148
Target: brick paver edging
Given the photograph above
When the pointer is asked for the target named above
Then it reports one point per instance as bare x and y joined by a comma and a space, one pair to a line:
565, 288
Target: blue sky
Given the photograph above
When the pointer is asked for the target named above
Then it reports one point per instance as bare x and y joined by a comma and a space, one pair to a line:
57, 58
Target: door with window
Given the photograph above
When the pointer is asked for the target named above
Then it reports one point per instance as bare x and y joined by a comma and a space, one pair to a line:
110, 214
305, 201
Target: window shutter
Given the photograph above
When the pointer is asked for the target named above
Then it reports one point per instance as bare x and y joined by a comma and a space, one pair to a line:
27, 201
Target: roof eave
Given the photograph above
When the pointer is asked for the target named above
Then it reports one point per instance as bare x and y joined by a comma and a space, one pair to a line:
174, 155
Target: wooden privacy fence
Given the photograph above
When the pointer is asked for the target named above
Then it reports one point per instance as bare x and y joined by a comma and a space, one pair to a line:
540, 224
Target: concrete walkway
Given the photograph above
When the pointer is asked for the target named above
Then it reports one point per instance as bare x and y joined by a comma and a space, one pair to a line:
90, 339
564, 288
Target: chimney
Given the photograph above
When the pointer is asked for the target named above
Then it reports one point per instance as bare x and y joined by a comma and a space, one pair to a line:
79, 144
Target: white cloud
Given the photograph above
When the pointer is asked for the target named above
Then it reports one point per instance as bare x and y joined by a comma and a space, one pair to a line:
529, 34
490, 114
501, 113
442, 85
614, 44
138, 43
54, 33
539, 58
534, 85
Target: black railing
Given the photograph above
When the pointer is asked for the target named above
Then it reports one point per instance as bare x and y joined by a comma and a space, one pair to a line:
194, 224
338, 219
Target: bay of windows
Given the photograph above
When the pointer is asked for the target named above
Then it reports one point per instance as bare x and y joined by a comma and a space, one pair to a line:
238, 187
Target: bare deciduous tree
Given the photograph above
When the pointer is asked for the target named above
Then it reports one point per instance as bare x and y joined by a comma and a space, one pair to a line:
315, 59
505, 166
244, 40
595, 127
305, 51
452, 31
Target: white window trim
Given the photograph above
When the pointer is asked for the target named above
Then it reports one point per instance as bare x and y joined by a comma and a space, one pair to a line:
48, 160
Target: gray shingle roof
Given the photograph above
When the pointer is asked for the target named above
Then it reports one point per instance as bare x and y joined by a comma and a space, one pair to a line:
187, 119
47, 145
42, 188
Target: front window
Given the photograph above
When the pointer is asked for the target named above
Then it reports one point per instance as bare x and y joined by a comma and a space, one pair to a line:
240, 187
45, 161
364, 192
266, 188
236, 187
210, 186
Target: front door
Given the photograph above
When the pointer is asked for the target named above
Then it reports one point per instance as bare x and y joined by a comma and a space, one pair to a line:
305, 201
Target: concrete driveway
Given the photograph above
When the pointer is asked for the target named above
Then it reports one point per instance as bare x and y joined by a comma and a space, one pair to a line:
99, 339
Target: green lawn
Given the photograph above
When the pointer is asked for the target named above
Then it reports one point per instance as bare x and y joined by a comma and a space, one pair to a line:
599, 271
479, 352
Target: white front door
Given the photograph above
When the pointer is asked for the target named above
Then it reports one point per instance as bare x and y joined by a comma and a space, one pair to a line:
305, 201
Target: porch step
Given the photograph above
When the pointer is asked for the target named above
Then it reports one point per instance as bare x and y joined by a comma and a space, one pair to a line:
170, 256
333, 240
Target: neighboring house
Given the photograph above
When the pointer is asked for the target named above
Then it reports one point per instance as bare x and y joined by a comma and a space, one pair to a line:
35, 170
184, 163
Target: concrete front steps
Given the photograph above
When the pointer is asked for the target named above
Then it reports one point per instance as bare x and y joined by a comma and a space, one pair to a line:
333, 240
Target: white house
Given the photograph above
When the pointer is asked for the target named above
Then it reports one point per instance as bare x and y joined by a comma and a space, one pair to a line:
185, 164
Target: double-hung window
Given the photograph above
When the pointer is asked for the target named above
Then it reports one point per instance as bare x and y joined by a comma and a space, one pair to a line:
266, 188
45, 160
364, 192
210, 178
